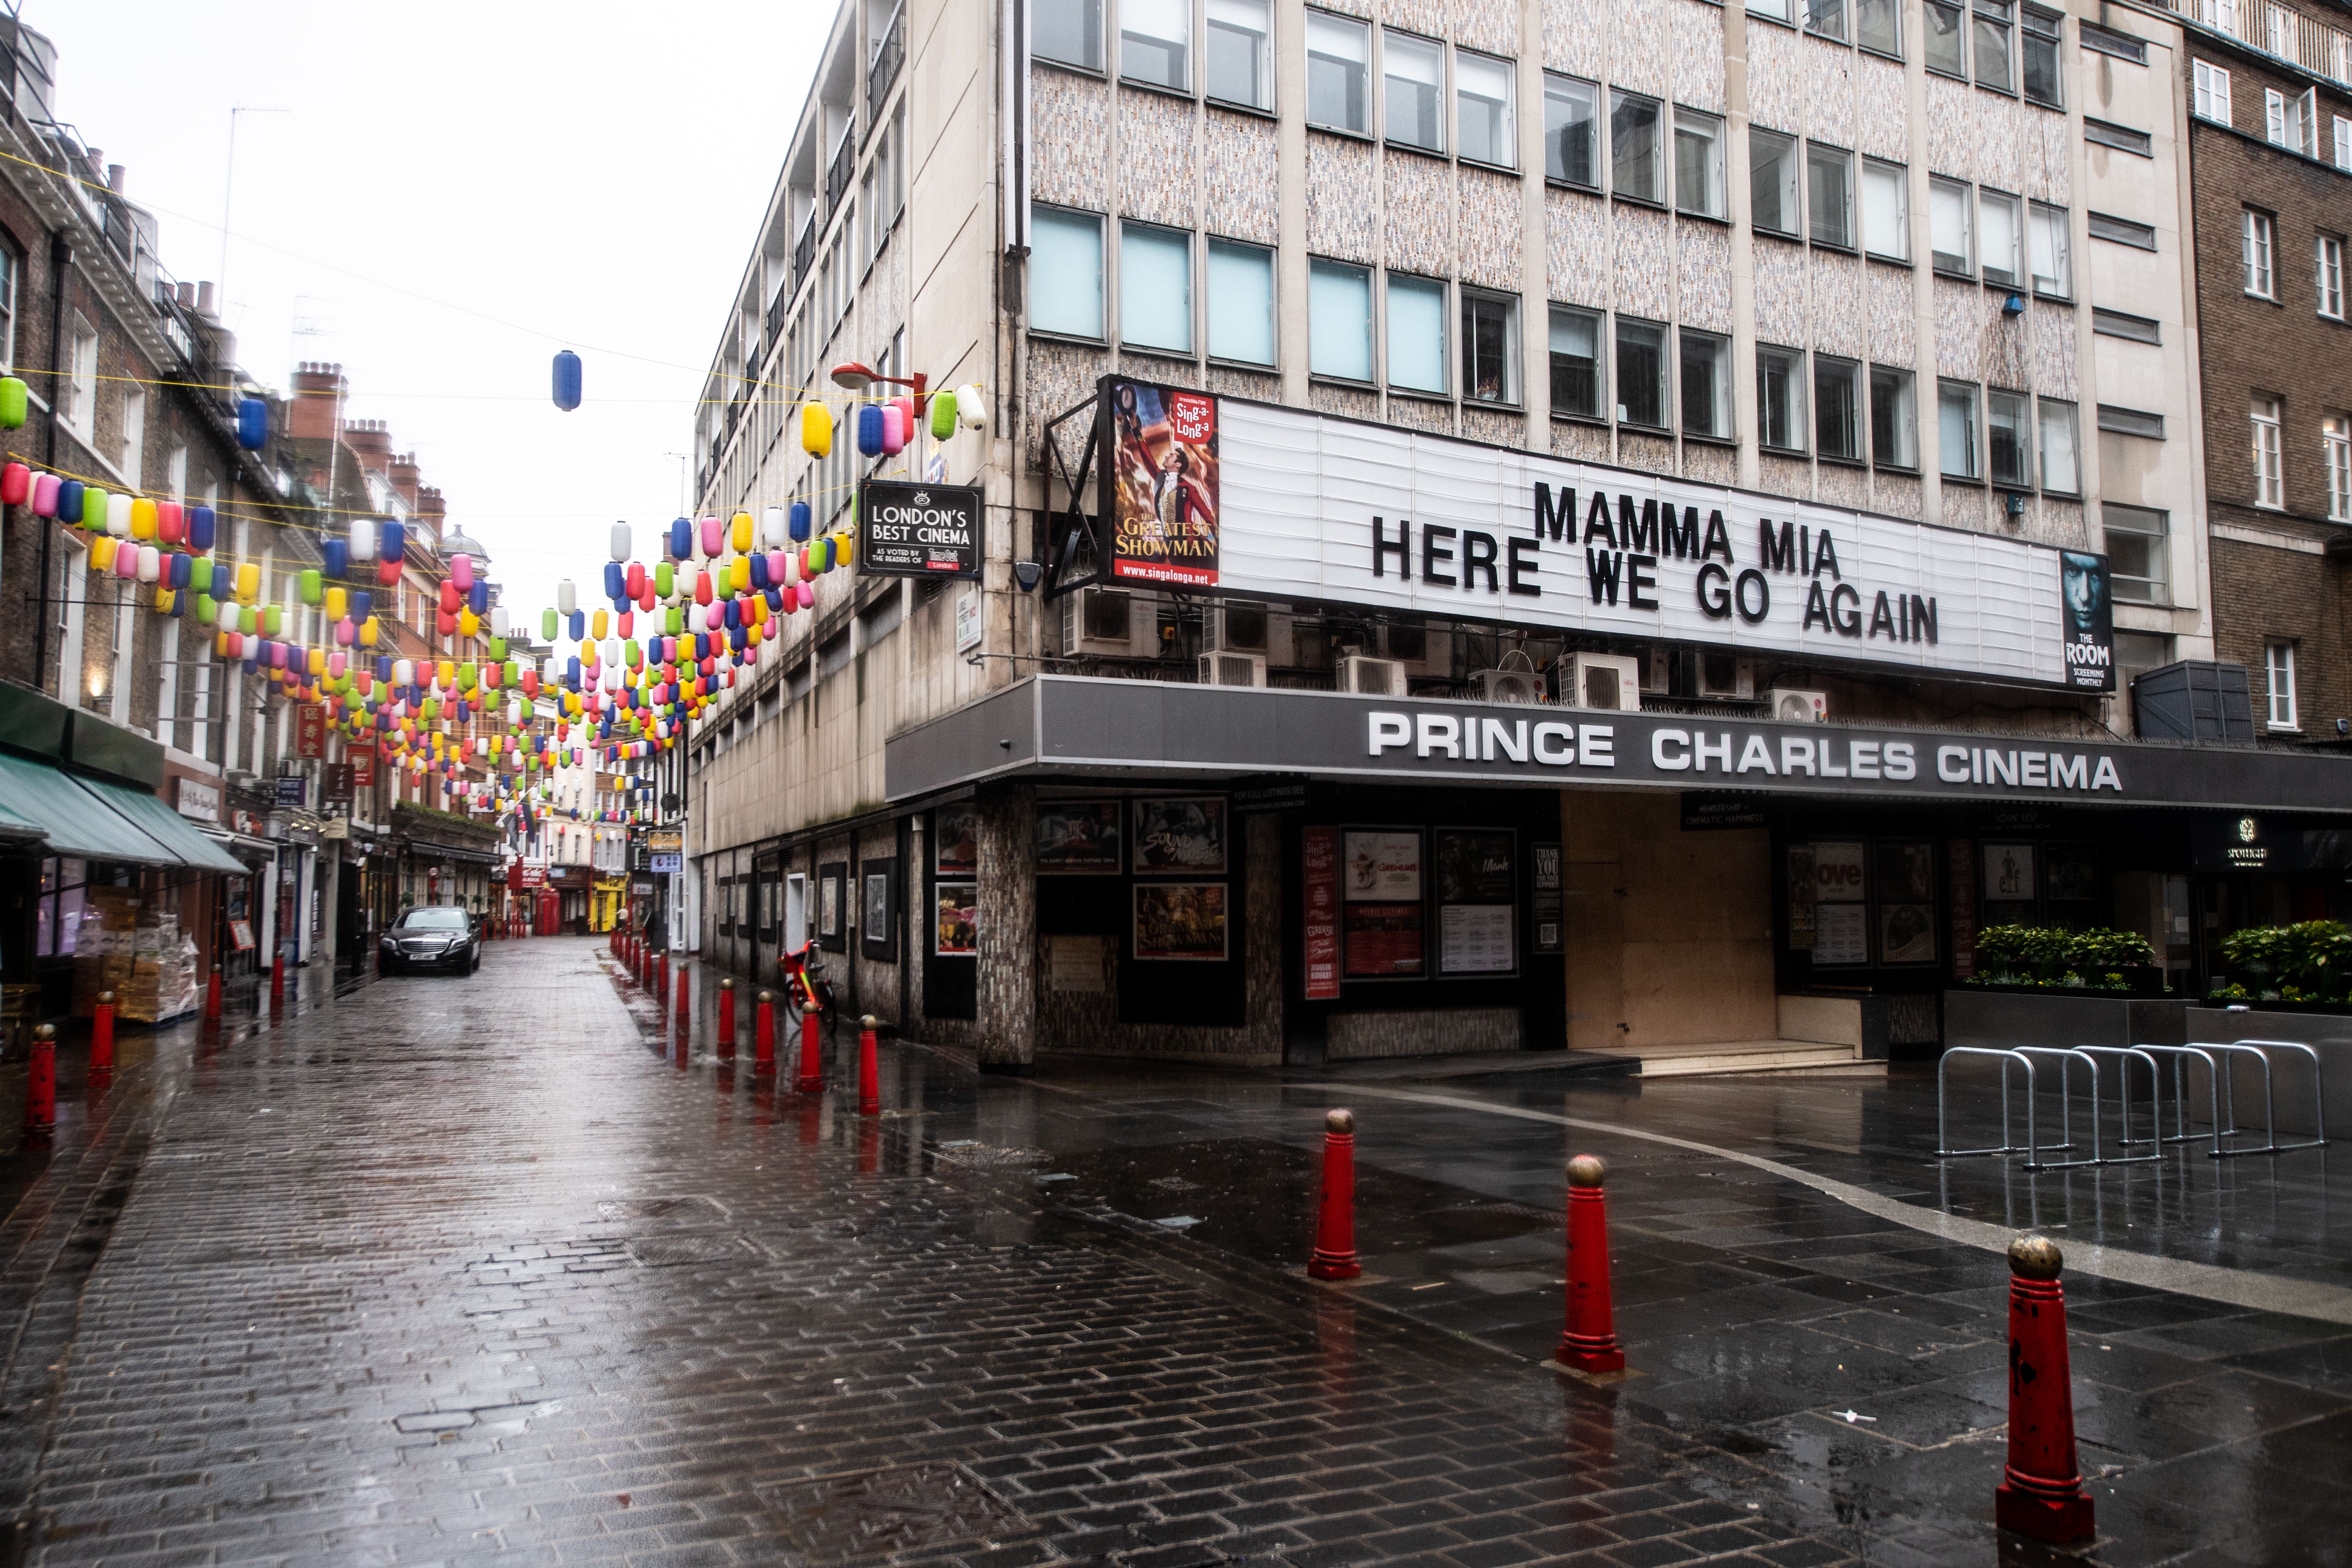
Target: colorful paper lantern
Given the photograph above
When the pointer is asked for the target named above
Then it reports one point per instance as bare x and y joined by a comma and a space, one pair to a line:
817, 429
252, 424
869, 430
201, 524
567, 380
972, 411
14, 398
45, 495
943, 415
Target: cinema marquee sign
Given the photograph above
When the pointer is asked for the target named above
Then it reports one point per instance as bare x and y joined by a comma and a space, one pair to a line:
1258, 501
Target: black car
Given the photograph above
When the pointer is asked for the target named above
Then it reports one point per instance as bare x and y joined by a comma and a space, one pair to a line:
437, 937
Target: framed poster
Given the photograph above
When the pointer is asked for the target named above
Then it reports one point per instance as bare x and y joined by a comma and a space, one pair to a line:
955, 919
1840, 934
241, 933
831, 893
1475, 939
1964, 908
1185, 833
1838, 873
2070, 872
878, 914
1319, 879
1382, 915
1382, 941
1548, 895
1906, 872
955, 841
2008, 873
1478, 896
1907, 933
1077, 838
1159, 484
1382, 868
1181, 921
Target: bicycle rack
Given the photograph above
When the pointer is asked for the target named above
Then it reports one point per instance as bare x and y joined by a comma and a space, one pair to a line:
2124, 1055
1944, 1151
2067, 1056
2217, 1089
2270, 1145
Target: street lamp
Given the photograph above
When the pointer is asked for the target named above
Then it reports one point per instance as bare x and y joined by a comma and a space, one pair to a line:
852, 376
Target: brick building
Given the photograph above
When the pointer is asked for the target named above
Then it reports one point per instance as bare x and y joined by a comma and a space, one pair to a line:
2270, 95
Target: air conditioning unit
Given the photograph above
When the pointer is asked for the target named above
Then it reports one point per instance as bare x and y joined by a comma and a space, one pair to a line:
1236, 628
1364, 677
1097, 621
1509, 686
1233, 670
1607, 681
1725, 675
1800, 707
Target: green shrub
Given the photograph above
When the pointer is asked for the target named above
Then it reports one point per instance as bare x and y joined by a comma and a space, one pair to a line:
2308, 962
2059, 960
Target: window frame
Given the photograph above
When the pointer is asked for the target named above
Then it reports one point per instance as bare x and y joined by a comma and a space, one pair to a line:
1211, 245
2042, 218
1093, 8
1265, 65
2068, 414
1992, 19
1793, 182
2052, 34
1781, 11
1619, 100
1814, 20
2327, 274
1330, 267
1407, 44
2281, 710
83, 344
1716, 347
1890, 10
1664, 387
2258, 254
2158, 535
1797, 412
1593, 152
1966, 196
1902, 187
1956, 10
1416, 284
1602, 341
2020, 405
1101, 280
2014, 277
12, 270
1135, 230
1189, 47
2336, 458
1906, 382
1855, 375
2204, 77
1469, 298
1949, 394
1823, 154
2266, 419
1717, 130
1507, 134
1333, 21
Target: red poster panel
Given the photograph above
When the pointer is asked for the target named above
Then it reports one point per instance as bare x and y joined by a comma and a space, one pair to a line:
362, 760
310, 730
1964, 908
1320, 852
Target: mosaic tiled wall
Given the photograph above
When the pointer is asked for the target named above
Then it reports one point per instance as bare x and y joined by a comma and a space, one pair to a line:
1576, 248
1157, 181
1339, 218
1587, 443
1493, 223
1417, 215
1495, 426
1698, 56
1419, 415
1573, 38
1710, 465
1242, 183
1703, 281
1071, 164
1640, 262
1059, 377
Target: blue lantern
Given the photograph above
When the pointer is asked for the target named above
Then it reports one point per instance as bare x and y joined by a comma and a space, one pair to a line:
567, 381
579, 626
799, 522
571, 672
775, 601
252, 424
477, 597
616, 581
338, 557
183, 571
869, 430
681, 539
394, 543
759, 570
200, 528
70, 500
384, 668
363, 605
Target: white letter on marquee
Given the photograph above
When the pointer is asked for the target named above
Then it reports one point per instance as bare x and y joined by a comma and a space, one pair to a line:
1390, 729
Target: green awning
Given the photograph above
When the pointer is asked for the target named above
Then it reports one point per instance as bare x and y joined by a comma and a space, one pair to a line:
176, 833
74, 822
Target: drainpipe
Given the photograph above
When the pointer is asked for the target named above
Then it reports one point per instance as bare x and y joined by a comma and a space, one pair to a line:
60, 258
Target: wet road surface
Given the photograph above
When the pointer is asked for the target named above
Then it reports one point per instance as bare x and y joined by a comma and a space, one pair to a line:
499, 1269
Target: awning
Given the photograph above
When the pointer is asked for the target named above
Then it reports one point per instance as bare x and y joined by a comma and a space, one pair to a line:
75, 823
424, 848
240, 843
176, 833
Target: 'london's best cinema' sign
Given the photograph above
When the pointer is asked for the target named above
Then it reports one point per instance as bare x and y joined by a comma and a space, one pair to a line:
1209, 493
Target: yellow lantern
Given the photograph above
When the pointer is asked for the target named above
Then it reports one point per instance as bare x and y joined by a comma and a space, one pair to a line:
817, 429
248, 581
143, 519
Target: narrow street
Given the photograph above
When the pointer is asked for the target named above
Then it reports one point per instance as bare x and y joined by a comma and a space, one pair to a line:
484, 1269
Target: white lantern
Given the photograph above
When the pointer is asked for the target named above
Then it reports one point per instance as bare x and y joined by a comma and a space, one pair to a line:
364, 531
971, 409
620, 541
774, 531
567, 597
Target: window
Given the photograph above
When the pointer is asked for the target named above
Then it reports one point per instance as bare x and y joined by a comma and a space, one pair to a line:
1339, 321
1997, 238
1485, 126
1947, 46
1065, 272
1240, 60
2118, 420
1241, 302
1641, 373
2276, 118
2121, 324
2108, 41
81, 376
1878, 25
2121, 231
2039, 35
1155, 287
2278, 666
1837, 408
1633, 151
1336, 51
1705, 384
1069, 31
1575, 380
2343, 142
130, 455
1416, 334
9, 269
2336, 448
1772, 182
2254, 252
1894, 418
2122, 138
1778, 10
1155, 42
1490, 348
1991, 35
1780, 398
1571, 131
2009, 437
2050, 252
175, 471
1412, 103
2306, 122
1826, 17
1950, 238
2061, 474
2328, 266
2270, 488
1829, 181
2210, 96
1886, 210
2137, 555
1698, 164
1956, 430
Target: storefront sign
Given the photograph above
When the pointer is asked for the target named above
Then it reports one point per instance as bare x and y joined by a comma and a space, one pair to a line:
197, 800
310, 730
919, 531
1547, 900
339, 778
666, 864
1253, 796
362, 760
293, 789
2245, 841
1319, 868
665, 840
1259, 500
1707, 813
968, 629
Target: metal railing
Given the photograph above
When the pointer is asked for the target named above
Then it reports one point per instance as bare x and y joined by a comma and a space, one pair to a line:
837, 175
2275, 30
890, 52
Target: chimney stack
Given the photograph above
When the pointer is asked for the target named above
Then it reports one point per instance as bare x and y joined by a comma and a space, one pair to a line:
205, 298
402, 473
318, 403
370, 441
114, 173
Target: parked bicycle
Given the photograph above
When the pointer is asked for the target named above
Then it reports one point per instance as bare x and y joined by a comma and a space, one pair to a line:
806, 984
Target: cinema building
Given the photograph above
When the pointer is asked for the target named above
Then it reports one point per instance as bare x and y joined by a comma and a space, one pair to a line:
1485, 527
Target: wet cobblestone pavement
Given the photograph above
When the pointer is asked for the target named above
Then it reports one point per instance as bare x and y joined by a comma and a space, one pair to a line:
489, 1270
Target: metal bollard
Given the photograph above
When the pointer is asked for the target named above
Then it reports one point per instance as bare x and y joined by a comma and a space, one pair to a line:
2041, 1494
869, 1076
101, 1039
1334, 1257
41, 1083
1589, 1342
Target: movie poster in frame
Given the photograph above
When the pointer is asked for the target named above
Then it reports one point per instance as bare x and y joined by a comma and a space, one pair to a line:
1181, 834
1077, 838
1182, 921
955, 840
955, 919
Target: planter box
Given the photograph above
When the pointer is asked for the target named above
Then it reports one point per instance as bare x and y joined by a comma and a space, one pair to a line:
2000, 1019
2329, 1033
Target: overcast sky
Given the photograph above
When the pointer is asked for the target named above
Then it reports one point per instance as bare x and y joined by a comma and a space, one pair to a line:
454, 192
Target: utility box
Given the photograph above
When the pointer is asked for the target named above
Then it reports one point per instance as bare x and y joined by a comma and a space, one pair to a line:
2195, 700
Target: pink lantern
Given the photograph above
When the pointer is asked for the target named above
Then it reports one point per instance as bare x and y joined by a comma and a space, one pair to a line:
461, 571
894, 429
806, 592
714, 535
45, 495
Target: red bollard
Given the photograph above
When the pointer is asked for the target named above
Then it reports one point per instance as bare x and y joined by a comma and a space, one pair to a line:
41, 1082
2041, 1494
101, 1039
1588, 1343
727, 1018
1335, 1221
812, 1078
661, 978
684, 984
869, 1073
763, 1035
278, 980
213, 996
